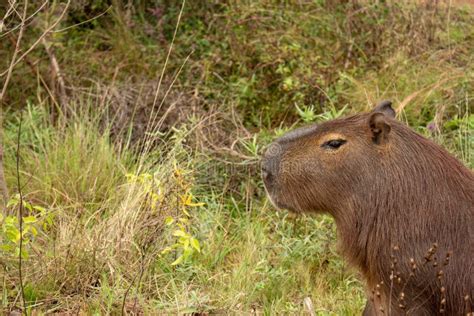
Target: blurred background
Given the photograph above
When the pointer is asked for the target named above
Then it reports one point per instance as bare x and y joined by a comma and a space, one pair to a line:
132, 132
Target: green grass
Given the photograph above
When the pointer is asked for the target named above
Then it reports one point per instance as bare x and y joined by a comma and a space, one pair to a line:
106, 211
252, 257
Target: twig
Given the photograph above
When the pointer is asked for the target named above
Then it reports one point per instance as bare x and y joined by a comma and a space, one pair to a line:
162, 119
308, 304
22, 24
48, 30
58, 74
20, 261
139, 275
155, 125
154, 115
15, 53
349, 55
169, 53
83, 22
3, 185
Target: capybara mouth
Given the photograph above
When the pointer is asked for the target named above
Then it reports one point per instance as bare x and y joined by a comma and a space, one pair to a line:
271, 176
277, 203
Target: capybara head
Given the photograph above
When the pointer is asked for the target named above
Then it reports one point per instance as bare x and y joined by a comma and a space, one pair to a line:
315, 168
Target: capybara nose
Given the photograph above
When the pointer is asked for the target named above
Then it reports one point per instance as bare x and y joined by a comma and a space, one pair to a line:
271, 164
267, 173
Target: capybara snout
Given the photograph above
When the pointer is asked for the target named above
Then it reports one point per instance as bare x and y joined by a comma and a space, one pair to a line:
271, 162
271, 165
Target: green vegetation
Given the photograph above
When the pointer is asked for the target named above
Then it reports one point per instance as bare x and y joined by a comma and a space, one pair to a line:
140, 199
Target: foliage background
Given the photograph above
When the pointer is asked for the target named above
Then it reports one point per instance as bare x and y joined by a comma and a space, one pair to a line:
139, 150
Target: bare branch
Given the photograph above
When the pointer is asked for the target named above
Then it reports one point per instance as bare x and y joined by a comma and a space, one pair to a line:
63, 100
23, 22
48, 30
15, 53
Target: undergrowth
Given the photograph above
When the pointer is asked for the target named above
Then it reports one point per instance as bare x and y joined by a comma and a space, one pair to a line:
121, 217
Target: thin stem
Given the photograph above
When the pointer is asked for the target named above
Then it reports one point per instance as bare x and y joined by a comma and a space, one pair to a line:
155, 112
20, 259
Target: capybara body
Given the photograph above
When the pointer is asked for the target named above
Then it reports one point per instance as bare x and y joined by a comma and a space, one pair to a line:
403, 206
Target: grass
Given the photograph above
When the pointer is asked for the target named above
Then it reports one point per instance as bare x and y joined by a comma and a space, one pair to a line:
103, 233
111, 220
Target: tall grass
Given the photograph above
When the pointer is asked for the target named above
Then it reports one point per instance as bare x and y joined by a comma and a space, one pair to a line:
105, 239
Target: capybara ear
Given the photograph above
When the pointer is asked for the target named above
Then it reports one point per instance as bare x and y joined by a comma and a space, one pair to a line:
385, 107
379, 127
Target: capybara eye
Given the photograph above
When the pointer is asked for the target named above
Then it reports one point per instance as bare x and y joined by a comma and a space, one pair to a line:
333, 144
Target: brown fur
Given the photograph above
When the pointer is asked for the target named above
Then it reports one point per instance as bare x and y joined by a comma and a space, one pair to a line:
402, 205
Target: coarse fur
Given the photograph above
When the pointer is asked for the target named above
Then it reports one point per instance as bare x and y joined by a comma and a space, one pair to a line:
403, 206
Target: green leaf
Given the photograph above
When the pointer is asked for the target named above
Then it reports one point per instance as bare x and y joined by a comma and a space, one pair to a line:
179, 233
27, 206
169, 220
185, 243
7, 248
166, 250
195, 244
25, 231
29, 219
178, 261
187, 252
39, 208
11, 220
13, 235
13, 201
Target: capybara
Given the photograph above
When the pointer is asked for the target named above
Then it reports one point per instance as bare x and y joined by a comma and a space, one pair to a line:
403, 207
